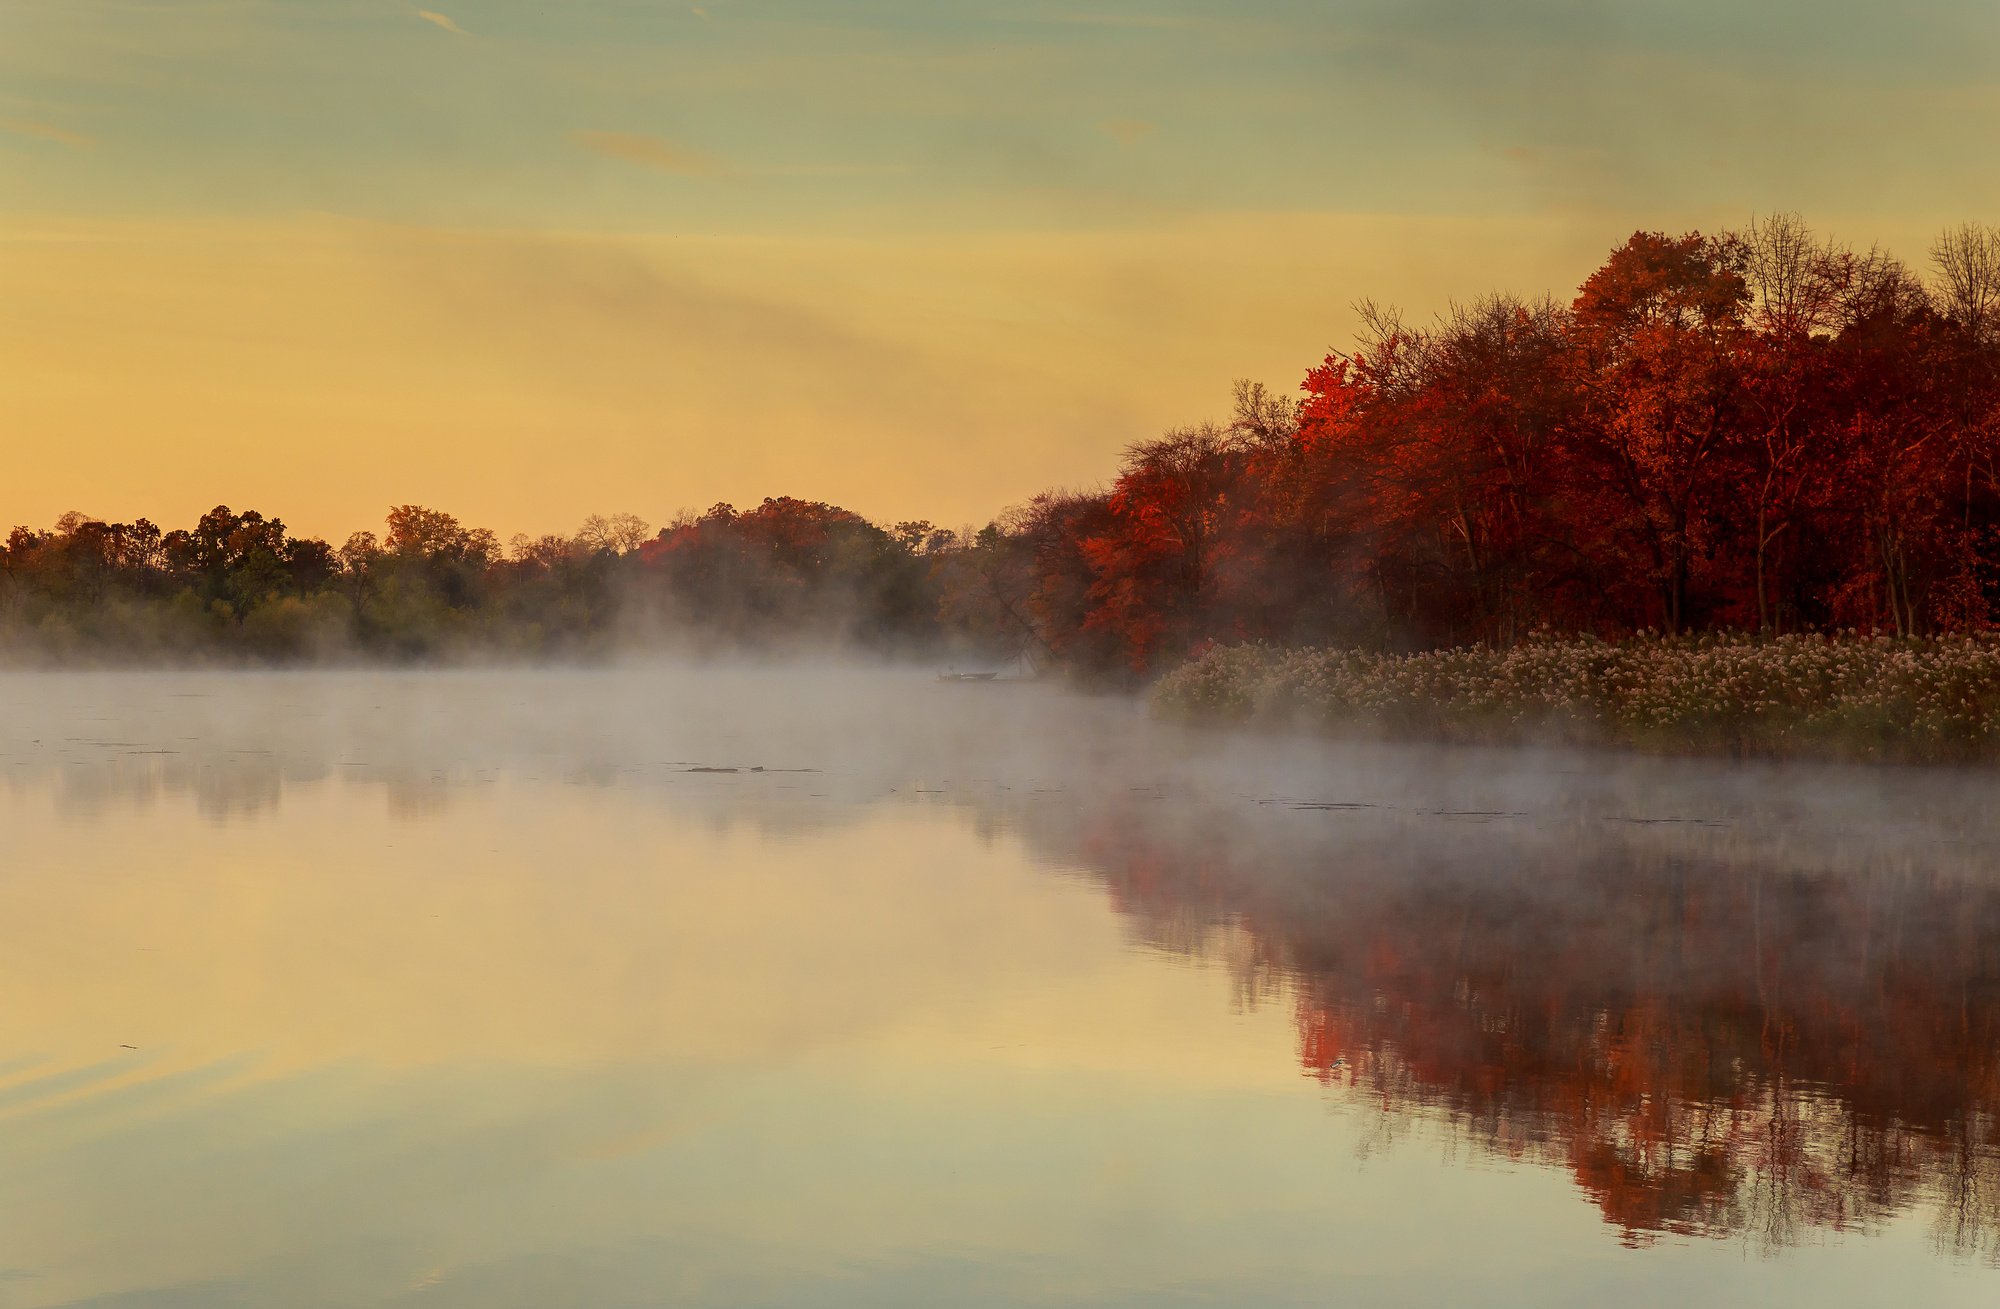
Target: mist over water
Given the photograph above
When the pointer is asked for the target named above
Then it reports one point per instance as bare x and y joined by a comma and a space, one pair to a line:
739, 985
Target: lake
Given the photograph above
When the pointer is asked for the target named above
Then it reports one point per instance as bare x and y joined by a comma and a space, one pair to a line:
773, 986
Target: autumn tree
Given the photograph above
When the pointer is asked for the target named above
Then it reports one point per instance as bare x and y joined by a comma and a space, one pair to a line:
1797, 283
1657, 332
618, 533
1153, 561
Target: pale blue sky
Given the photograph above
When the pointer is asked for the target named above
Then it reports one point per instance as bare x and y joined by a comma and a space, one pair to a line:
982, 114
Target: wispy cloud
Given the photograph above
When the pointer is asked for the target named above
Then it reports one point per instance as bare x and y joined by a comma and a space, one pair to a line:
653, 152
833, 170
46, 132
1128, 131
1119, 20
441, 20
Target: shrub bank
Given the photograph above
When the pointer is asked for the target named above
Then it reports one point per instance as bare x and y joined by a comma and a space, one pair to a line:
1853, 697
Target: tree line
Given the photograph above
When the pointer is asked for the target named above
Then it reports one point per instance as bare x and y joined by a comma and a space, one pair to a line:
1760, 431
786, 572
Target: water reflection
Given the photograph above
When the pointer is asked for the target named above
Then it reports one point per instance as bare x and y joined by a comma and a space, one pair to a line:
1710, 1042
649, 949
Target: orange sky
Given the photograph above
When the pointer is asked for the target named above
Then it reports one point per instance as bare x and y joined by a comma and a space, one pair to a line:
527, 262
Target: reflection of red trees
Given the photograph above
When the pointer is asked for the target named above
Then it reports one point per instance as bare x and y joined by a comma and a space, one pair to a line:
1707, 1048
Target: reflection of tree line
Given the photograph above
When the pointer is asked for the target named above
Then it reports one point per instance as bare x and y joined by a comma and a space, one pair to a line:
1709, 1047
224, 784
1708, 1031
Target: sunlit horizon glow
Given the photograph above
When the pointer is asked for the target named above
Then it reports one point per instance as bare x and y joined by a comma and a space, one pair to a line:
526, 263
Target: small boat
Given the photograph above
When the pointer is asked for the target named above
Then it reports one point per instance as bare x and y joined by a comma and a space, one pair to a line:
967, 677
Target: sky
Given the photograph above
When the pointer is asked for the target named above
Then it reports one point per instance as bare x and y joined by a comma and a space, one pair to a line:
528, 260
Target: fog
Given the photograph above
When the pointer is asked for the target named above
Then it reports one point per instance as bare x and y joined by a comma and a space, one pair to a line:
752, 740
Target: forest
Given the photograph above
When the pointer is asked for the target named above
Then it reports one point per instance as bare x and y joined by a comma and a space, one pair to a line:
1761, 432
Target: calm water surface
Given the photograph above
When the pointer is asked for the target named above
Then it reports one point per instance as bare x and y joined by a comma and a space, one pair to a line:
730, 988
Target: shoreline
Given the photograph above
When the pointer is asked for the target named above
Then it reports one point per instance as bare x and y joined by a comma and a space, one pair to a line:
1848, 698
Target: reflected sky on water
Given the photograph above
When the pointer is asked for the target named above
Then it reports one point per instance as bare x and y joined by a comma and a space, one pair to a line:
504, 989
